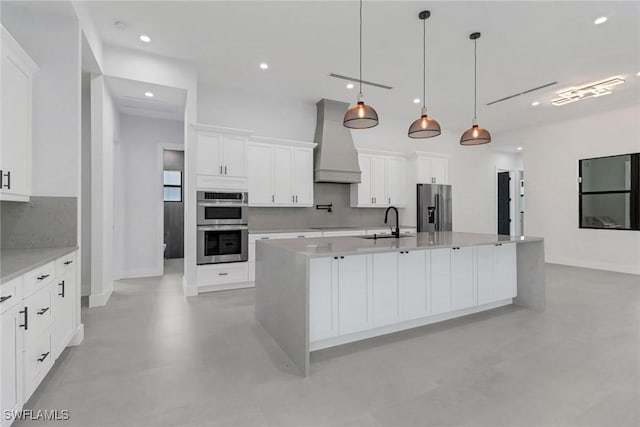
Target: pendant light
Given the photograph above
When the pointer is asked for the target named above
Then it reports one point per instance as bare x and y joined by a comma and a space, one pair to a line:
360, 116
476, 135
425, 126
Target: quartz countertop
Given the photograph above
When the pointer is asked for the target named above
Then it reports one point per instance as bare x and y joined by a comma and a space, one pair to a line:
336, 246
16, 262
321, 229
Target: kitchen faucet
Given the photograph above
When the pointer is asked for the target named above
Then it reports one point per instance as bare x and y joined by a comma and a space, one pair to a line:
386, 215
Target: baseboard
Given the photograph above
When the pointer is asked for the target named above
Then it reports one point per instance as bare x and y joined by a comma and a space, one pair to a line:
595, 265
404, 325
143, 272
98, 300
78, 337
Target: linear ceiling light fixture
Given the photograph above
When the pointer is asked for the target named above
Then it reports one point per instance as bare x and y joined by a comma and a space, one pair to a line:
476, 135
590, 90
360, 116
425, 126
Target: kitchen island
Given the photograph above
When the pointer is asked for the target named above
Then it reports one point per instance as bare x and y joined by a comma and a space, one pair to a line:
317, 293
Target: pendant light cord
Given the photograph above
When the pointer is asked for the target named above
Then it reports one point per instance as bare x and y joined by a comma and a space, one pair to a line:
424, 63
360, 46
475, 79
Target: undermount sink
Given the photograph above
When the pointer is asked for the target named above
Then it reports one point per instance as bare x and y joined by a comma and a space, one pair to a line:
383, 236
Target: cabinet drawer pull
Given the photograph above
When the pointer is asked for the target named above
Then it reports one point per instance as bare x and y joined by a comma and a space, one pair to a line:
26, 318
220, 169
44, 276
301, 236
341, 257
61, 293
44, 356
225, 170
2, 184
3, 299
498, 244
68, 262
223, 274
335, 257
456, 249
265, 238
43, 311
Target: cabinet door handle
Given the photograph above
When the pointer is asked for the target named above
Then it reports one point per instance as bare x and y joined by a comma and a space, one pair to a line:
3, 299
265, 238
2, 184
293, 198
220, 169
26, 318
61, 293
68, 262
273, 198
225, 169
296, 199
389, 200
456, 248
335, 257
44, 356
43, 311
341, 257
433, 179
44, 276
498, 244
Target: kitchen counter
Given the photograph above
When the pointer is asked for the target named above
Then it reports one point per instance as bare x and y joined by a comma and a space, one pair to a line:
16, 262
316, 293
321, 229
340, 246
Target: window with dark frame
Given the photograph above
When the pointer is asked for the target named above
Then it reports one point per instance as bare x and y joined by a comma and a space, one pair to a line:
172, 182
609, 192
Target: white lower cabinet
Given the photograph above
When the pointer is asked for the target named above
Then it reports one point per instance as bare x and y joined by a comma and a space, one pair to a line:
358, 293
11, 360
386, 288
463, 292
37, 321
440, 280
415, 281
353, 294
496, 272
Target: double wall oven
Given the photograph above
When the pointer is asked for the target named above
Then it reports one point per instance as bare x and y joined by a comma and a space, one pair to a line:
223, 232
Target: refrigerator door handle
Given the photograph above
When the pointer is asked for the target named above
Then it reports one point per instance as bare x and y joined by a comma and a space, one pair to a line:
438, 216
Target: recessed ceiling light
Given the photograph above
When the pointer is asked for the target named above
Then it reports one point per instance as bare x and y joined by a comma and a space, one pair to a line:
416, 101
638, 74
350, 85
148, 94
535, 103
145, 38
264, 66
519, 148
600, 20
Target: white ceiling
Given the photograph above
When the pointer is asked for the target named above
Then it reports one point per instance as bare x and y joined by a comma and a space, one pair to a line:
523, 45
129, 98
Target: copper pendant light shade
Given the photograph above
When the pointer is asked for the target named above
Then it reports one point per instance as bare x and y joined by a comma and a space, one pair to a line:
476, 135
360, 116
425, 126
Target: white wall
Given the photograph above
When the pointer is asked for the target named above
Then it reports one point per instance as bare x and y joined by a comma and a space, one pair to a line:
104, 134
472, 170
139, 235
551, 155
136, 65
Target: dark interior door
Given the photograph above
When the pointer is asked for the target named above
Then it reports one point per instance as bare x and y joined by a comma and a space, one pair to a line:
504, 221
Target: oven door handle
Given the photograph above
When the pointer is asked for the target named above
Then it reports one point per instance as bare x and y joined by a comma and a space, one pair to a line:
222, 204
222, 227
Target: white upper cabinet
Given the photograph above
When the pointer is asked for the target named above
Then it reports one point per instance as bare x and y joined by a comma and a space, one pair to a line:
221, 157
280, 172
260, 166
383, 180
431, 169
16, 75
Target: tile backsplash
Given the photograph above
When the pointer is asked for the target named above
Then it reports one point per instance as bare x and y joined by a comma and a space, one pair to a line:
43, 222
342, 215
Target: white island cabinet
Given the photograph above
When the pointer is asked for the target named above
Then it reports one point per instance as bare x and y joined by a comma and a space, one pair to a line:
316, 293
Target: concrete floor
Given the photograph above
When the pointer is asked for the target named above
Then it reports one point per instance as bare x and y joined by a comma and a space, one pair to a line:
153, 358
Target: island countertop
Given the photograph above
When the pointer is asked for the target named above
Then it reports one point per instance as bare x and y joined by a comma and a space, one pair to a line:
340, 246
16, 262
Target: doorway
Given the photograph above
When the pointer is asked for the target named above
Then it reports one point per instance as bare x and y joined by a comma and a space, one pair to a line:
173, 201
504, 203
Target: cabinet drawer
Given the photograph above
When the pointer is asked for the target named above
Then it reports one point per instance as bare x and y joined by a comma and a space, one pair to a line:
38, 359
223, 273
38, 278
10, 293
39, 314
65, 264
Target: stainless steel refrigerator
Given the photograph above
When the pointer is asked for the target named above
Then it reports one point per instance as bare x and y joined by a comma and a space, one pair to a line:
434, 207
